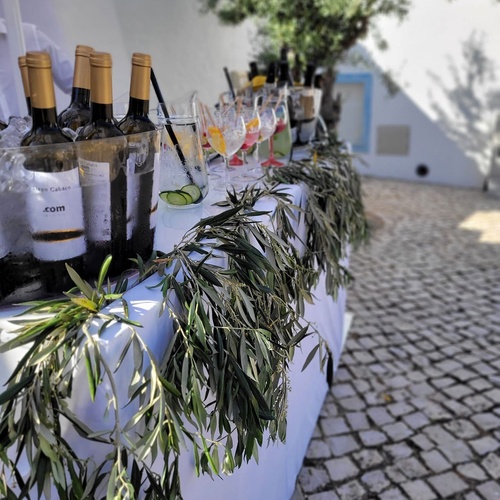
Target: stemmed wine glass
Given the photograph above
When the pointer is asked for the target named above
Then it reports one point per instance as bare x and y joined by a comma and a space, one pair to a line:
252, 124
267, 128
281, 123
226, 133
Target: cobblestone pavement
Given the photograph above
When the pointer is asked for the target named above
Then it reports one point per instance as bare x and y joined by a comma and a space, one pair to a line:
414, 412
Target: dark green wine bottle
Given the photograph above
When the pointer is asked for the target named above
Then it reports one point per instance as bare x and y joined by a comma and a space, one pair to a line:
143, 169
54, 202
103, 165
77, 114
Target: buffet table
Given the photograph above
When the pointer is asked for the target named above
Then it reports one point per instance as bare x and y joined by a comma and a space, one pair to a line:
279, 464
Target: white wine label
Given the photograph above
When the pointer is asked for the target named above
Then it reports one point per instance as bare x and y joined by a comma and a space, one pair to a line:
55, 214
97, 199
154, 197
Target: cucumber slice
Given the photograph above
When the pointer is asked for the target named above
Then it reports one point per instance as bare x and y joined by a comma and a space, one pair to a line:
176, 197
192, 190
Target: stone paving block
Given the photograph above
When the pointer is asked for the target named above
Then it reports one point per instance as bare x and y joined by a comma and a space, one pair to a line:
494, 395
352, 404
318, 449
341, 469
379, 415
492, 465
486, 421
357, 420
397, 431
342, 445
458, 409
418, 490
489, 490
395, 474
351, 491
342, 390
411, 467
361, 386
456, 451
416, 420
372, 438
297, 494
342, 375
367, 458
442, 382
438, 434
484, 445
472, 471
422, 389
329, 409
478, 402
447, 484
448, 366
375, 481
464, 375
398, 409
458, 391
313, 478
472, 496
398, 450
435, 461
422, 442
333, 426
391, 494
462, 429
397, 382
483, 369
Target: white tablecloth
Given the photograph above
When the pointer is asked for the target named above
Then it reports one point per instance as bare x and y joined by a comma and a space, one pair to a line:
279, 464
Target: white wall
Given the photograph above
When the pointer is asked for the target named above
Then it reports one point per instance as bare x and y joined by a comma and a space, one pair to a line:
428, 144
189, 50
426, 56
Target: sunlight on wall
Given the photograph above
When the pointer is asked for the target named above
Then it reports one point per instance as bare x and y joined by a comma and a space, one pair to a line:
485, 222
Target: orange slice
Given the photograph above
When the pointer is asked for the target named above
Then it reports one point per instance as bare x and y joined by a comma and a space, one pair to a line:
253, 123
217, 140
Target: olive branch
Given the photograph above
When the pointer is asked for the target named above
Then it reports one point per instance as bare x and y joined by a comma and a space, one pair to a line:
235, 289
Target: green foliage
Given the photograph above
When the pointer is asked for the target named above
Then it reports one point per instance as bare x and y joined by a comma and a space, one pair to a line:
318, 30
235, 289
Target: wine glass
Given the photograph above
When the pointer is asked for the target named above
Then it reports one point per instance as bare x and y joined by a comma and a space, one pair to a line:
252, 124
267, 129
226, 133
281, 123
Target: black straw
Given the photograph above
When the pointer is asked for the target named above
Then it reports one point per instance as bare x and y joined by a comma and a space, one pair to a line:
230, 83
168, 126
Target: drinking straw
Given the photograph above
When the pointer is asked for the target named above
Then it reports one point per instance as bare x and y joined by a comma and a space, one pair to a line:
229, 82
168, 126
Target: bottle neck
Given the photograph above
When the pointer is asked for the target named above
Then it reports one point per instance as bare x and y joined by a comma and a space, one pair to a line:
80, 96
101, 112
138, 107
44, 118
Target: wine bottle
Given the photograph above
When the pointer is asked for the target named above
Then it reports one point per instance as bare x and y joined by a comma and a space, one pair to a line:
307, 124
103, 165
297, 70
143, 161
254, 71
54, 202
283, 140
26, 84
77, 114
270, 84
